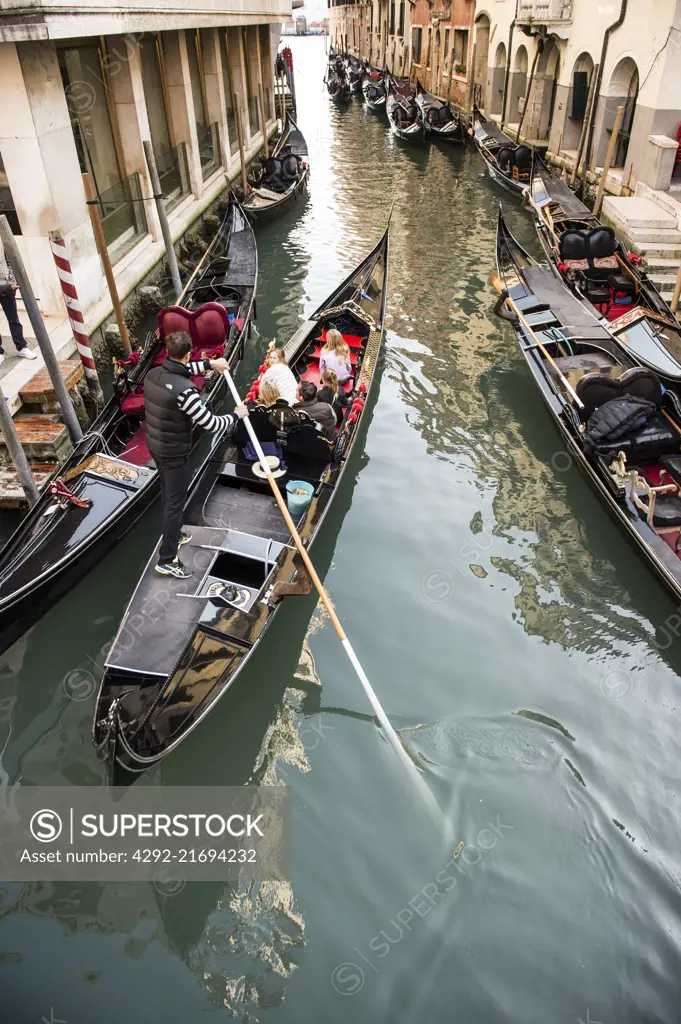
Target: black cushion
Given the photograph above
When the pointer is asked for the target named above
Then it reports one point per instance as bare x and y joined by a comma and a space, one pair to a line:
622, 283
594, 389
641, 381
667, 512
308, 442
272, 166
522, 158
652, 441
672, 463
260, 422
289, 167
602, 243
505, 158
573, 246
597, 291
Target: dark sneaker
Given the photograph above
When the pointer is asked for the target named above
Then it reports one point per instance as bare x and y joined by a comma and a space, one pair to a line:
185, 538
174, 568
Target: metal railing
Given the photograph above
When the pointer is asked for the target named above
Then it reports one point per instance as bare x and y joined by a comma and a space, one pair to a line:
122, 215
209, 149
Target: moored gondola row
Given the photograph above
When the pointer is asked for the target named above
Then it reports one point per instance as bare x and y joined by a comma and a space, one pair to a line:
414, 115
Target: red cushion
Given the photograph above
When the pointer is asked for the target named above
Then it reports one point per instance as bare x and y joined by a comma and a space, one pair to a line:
207, 326
133, 404
136, 451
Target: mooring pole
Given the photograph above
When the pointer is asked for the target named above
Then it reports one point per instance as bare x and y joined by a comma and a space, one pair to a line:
91, 198
608, 159
163, 217
263, 120
677, 293
76, 318
16, 452
42, 337
240, 133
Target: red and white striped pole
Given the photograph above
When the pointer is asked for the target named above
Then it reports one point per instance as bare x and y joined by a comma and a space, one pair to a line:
76, 318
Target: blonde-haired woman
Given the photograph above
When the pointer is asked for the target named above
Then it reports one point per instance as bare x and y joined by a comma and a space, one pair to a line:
336, 356
268, 392
279, 374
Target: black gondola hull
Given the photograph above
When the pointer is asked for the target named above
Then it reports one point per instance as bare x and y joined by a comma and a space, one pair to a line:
658, 554
130, 730
50, 551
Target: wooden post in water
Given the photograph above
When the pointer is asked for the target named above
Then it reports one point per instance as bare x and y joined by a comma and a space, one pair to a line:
608, 159
106, 262
240, 133
42, 337
263, 119
163, 217
677, 293
16, 452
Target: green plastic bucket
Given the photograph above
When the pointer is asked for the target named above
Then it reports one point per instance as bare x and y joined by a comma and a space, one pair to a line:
297, 503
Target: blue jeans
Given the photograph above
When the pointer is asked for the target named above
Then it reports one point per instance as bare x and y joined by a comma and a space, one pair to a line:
9, 308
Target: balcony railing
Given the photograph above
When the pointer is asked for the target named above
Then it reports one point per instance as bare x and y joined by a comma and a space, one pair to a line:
542, 12
122, 215
173, 172
209, 149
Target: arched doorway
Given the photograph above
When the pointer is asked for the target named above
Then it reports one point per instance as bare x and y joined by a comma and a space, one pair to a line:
495, 95
578, 96
622, 91
545, 84
481, 50
517, 86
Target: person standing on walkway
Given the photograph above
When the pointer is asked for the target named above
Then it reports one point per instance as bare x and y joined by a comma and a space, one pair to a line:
8, 287
172, 405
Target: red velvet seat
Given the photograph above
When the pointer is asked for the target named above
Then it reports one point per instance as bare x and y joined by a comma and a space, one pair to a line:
133, 405
207, 326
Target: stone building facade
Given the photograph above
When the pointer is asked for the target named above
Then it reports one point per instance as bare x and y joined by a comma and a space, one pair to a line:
84, 86
536, 63
431, 42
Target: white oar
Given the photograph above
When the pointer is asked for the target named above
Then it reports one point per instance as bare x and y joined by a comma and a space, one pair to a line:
347, 646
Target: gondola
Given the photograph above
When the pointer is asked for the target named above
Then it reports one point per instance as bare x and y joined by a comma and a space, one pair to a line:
355, 72
109, 479
438, 118
507, 163
337, 84
404, 115
373, 88
638, 475
585, 254
180, 647
284, 177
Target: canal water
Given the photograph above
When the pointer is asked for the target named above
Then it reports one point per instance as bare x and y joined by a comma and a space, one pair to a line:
521, 647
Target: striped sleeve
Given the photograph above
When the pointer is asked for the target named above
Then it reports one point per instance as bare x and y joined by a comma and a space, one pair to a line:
190, 403
198, 367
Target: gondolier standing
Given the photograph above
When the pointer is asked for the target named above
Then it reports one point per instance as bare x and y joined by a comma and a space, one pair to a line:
8, 287
172, 405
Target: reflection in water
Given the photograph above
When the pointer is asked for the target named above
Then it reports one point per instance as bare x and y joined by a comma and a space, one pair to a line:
510, 633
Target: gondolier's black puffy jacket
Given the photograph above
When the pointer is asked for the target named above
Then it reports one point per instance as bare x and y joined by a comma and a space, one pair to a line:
169, 430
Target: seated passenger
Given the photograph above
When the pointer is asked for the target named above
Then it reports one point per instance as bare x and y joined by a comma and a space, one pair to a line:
330, 392
278, 373
336, 356
268, 392
320, 412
